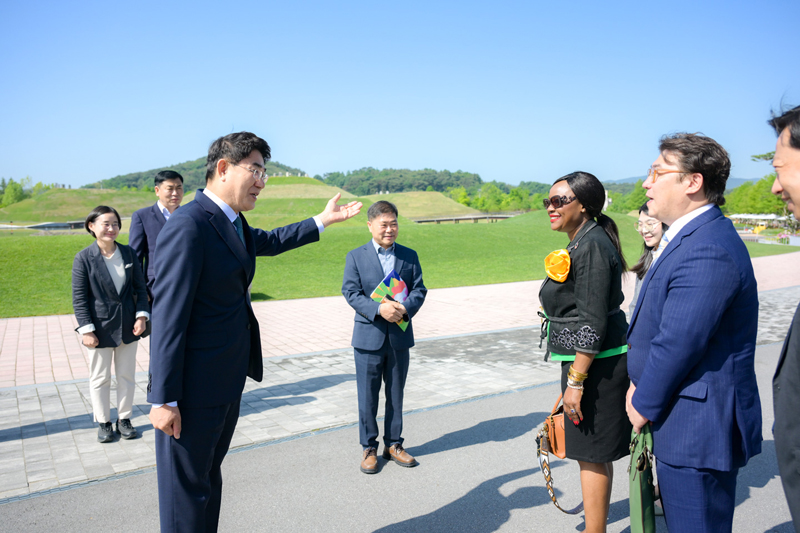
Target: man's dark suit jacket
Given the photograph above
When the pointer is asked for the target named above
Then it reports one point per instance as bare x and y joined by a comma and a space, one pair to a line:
691, 351
205, 337
146, 223
96, 301
362, 273
786, 395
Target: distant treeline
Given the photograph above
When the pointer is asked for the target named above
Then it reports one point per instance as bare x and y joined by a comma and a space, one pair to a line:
464, 187
193, 172
369, 180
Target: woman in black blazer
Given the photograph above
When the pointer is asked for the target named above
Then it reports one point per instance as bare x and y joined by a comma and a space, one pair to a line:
110, 301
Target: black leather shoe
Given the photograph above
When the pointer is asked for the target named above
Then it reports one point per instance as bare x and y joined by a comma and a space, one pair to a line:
105, 433
125, 429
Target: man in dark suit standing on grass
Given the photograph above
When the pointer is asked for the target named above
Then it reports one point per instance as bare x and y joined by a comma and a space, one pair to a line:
206, 339
146, 223
786, 383
380, 345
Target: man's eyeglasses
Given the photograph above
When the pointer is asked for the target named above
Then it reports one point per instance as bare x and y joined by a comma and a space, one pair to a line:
655, 173
258, 173
557, 201
646, 227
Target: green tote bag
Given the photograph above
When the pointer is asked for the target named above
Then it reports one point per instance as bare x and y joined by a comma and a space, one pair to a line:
640, 474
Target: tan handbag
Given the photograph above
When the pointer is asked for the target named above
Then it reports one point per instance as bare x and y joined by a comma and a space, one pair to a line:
551, 440
554, 431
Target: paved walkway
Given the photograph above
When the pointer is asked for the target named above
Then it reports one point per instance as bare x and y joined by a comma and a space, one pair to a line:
37, 350
473, 341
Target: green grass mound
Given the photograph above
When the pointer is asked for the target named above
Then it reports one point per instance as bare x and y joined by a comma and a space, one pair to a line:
425, 204
62, 205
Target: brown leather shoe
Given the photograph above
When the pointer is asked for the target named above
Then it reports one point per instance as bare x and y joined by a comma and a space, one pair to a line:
397, 454
370, 463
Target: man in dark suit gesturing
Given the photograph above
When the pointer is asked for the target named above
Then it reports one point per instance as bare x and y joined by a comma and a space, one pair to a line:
380, 344
786, 383
205, 338
146, 223
691, 340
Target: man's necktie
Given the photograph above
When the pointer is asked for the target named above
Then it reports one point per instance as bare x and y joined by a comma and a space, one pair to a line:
239, 231
661, 245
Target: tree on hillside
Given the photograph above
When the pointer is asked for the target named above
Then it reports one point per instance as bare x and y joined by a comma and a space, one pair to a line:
637, 197
2, 186
535, 187
40, 188
754, 197
13, 193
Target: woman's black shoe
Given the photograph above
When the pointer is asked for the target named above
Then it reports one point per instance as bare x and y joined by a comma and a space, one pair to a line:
105, 433
125, 429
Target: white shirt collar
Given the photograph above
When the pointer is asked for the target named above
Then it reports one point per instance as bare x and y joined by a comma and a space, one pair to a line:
229, 212
162, 210
678, 225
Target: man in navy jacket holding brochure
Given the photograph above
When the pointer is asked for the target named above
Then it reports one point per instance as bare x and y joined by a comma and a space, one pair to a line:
380, 343
206, 339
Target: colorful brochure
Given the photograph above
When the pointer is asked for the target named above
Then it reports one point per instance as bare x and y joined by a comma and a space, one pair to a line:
392, 289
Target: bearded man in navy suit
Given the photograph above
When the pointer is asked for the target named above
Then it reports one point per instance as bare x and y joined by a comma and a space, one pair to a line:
692, 337
205, 338
380, 344
146, 223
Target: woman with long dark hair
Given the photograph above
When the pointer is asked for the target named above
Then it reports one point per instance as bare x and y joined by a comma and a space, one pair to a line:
651, 230
586, 329
109, 297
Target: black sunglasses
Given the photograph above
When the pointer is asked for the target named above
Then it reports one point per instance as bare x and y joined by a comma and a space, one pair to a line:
558, 201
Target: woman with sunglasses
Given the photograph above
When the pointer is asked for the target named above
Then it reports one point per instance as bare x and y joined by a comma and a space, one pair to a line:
651, 230
585, 331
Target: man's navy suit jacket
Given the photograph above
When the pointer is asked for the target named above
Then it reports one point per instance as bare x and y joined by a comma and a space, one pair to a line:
205, 338
146, 224
362, 273
691, 351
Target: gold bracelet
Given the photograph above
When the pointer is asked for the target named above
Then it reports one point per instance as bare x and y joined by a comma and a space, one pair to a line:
577, 376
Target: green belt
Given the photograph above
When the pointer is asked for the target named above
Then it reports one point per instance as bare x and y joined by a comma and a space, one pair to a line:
605, 353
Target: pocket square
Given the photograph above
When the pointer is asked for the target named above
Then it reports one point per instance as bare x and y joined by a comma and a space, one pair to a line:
129, 265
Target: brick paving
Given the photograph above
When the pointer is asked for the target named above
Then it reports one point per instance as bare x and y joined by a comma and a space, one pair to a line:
473, 341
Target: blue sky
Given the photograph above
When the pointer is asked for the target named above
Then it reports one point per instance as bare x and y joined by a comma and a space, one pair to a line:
511, 90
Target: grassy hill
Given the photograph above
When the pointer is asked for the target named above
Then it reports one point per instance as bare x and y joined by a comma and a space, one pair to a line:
62, 205
420, 204
193, 172
35, 270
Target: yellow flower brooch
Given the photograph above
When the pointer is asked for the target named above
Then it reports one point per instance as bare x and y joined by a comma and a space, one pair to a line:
557, 264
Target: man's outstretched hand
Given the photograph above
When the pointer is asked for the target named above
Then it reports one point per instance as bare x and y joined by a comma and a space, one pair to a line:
338, 213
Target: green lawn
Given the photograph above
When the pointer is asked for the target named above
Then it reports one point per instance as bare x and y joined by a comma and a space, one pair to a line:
35, 270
